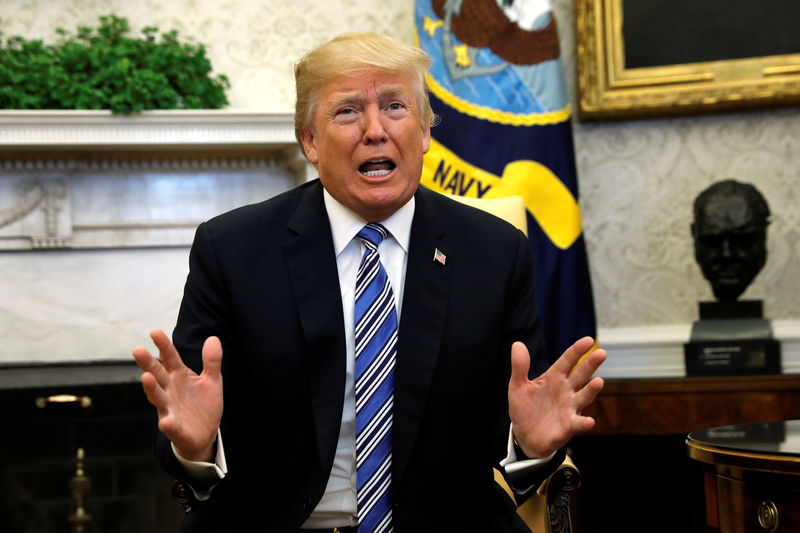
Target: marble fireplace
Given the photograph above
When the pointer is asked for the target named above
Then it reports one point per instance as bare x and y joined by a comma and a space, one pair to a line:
97, 213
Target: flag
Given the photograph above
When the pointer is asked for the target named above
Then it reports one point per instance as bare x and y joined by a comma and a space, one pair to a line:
497, 83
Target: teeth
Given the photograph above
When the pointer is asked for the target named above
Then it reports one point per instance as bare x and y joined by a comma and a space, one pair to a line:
373, 173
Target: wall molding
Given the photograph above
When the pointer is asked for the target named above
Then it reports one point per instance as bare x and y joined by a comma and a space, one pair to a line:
35, 136
78, 129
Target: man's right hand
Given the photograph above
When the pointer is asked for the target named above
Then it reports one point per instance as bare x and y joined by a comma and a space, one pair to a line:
189, 405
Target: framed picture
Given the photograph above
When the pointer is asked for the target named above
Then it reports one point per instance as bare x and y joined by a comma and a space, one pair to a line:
638, 58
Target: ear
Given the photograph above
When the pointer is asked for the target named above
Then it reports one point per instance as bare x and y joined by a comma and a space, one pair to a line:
310, 147
426, 138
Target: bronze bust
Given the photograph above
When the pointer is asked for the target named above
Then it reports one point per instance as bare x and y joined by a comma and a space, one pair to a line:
730, 236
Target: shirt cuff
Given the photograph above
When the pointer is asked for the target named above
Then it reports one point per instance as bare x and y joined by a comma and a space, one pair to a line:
514, 464
202, 473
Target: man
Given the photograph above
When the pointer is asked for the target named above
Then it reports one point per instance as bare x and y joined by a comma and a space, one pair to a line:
730, 236
278, 288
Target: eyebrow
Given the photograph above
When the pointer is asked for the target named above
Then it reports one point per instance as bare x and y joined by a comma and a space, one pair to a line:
356, 96
343, 100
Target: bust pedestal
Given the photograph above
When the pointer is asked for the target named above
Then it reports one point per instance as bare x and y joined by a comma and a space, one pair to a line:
732, 338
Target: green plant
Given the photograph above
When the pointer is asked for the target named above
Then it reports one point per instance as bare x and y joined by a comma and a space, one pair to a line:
106, 69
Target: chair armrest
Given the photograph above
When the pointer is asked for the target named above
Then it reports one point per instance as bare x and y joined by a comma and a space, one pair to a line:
560, 486
548, 510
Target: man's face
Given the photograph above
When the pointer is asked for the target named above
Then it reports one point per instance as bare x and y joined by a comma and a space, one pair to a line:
367, 142
730, 245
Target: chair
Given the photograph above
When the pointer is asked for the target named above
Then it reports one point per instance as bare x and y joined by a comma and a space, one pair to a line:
548, 510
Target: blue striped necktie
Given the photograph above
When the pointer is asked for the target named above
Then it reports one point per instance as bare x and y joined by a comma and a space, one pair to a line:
376, 348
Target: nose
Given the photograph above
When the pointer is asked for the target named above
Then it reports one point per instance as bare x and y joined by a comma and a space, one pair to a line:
372, 124
726, 248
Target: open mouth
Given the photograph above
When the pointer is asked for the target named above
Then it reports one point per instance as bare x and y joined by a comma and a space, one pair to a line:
376, 167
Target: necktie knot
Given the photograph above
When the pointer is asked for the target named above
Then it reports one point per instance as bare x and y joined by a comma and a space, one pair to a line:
372, 235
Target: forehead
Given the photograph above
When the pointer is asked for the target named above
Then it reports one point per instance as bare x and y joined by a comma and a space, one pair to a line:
367, 84
727, 213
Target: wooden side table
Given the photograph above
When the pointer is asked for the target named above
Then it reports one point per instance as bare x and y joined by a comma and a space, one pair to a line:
644, 421
751, 476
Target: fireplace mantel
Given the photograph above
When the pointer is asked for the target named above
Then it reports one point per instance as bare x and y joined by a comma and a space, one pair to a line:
55, 161
179, 130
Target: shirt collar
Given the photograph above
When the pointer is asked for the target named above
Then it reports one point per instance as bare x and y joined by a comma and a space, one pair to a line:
345, 224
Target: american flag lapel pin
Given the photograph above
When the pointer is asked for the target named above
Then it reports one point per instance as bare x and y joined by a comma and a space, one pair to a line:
439, 257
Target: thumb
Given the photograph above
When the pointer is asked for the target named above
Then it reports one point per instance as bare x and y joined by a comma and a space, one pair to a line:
212, 357
520, 364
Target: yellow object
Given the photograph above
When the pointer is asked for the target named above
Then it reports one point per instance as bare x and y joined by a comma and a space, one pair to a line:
462, 57
511, 209
552, 205
430, 25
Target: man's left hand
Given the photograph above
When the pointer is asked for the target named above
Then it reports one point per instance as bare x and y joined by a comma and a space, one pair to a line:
546, 412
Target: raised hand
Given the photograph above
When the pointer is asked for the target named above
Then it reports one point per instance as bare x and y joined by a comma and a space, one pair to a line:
189, 405
546, 412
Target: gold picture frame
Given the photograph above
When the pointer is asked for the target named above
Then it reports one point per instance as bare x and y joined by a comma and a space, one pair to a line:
609, 90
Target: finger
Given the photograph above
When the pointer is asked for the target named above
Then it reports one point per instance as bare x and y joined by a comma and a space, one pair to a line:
582, 424
594, 347
155, 394
572, 355
166, 425
151, 365
582, 373
212, 358
520, 365
587, 394
166, 351
142, 358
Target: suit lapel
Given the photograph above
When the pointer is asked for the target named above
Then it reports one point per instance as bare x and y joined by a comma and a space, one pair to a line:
311, 262
421, 328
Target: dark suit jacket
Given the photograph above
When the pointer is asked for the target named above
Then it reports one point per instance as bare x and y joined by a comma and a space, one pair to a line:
263, 278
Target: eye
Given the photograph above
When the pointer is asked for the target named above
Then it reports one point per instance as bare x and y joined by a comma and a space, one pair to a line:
396, 109
397, 106
345, 114
714, 241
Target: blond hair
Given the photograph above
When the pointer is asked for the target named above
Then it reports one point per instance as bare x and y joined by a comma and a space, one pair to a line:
350, 54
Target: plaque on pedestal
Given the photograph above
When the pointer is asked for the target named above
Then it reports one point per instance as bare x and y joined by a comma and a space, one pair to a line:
733, 358
732, 338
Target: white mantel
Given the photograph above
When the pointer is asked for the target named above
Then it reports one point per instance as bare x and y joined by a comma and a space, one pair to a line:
188, 129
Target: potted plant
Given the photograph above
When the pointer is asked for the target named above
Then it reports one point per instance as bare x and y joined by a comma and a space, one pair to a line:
104, 68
